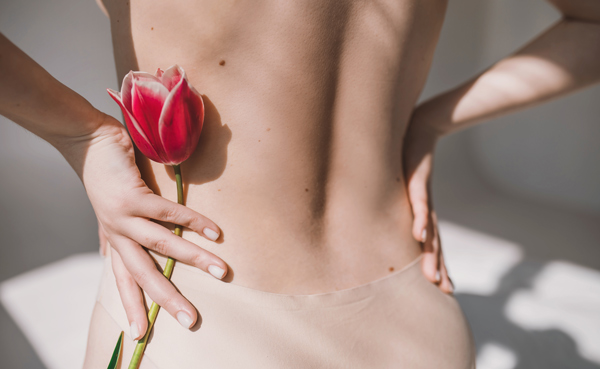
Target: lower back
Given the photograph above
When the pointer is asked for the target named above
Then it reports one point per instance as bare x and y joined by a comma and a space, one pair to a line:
307, 102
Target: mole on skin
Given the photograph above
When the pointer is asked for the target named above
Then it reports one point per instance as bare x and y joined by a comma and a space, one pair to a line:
391, 269
222, 62
397, 179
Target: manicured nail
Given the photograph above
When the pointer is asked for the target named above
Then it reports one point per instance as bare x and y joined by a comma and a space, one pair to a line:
210, 234
437, 276
216, 271
184, 319
135, 331
424, 235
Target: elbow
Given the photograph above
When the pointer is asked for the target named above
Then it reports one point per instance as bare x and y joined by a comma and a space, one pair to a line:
578, 10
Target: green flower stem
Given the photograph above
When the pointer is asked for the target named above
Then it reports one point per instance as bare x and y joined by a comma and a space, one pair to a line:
153, 312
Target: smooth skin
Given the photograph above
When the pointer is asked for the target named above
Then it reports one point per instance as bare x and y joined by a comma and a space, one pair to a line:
323, 173
563, 59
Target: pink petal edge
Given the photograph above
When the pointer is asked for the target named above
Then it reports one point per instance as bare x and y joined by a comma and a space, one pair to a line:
135, 131
126, 90
148, 98
188, 134
172, 76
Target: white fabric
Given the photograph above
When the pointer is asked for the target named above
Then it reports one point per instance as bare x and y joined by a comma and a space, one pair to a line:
53, 305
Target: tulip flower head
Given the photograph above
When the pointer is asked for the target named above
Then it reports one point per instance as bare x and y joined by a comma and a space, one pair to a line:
163, 113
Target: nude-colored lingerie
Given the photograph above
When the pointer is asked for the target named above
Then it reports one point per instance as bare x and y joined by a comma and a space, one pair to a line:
399, 321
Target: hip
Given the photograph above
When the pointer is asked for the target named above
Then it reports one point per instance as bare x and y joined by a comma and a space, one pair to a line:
401, 320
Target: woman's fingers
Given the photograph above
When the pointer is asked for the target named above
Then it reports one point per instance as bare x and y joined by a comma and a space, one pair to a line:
425, 229
142, 269
131, 297
425, 224
417, 193
430, 253
165, 242
417, 178
103, 239
445, 282
159, 208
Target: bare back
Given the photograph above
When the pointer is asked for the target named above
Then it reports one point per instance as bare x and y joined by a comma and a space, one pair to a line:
307, 102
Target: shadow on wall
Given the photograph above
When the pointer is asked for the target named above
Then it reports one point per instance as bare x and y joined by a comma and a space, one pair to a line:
503, 344
520, 180
525, 311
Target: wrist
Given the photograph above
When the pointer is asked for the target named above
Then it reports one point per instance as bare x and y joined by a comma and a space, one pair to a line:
76, 148
71, 120
428, 120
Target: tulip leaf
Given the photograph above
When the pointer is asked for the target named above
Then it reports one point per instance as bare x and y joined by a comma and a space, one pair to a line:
117, 353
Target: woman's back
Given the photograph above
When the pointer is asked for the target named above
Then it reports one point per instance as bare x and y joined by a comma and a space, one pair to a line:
307, 102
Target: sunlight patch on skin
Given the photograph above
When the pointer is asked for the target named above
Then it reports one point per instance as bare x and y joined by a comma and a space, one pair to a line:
520, 78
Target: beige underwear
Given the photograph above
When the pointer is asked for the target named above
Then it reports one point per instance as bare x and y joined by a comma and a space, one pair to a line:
399, 321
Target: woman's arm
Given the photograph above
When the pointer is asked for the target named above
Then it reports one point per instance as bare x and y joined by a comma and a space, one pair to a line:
563, 59
32, 98
99, 149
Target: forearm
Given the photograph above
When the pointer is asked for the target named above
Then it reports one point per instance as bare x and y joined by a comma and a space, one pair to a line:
34, 99
563, 59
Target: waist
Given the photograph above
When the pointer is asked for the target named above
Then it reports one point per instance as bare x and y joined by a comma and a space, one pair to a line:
288, 244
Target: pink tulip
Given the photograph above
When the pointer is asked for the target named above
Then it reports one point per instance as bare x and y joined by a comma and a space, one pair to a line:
164, 113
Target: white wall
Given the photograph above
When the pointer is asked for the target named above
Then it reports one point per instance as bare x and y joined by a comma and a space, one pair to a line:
45, 214
550, 153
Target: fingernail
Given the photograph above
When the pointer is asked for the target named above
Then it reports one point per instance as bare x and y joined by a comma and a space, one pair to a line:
437, 276
210, 234
135, 331
184, 319
424, 235
216, 271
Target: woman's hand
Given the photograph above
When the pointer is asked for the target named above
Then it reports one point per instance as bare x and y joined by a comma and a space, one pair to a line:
419, 146
124, 206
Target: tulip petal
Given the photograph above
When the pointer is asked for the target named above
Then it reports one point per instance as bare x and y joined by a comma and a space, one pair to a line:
145, 77
181, 121
172, 76
126, 90
159, 73
137, 134
127, 85
148, 98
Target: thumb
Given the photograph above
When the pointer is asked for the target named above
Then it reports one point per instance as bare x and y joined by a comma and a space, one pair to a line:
103, 240
419, 200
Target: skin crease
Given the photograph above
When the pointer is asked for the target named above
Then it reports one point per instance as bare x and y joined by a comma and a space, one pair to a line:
299, 162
